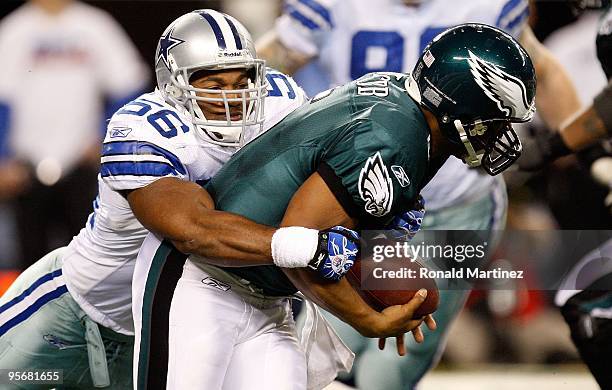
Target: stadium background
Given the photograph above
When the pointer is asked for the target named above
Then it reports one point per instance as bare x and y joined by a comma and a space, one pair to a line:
511, 339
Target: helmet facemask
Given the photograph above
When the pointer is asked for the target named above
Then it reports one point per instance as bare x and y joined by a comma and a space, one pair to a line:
494, 145
226, 132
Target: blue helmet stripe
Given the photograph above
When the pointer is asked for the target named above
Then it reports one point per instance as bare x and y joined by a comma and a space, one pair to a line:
319, 9
216, 29
235, 33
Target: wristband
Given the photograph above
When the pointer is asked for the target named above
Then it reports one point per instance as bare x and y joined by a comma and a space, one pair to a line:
294, 246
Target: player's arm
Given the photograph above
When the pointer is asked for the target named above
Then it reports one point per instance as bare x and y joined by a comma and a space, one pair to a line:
556, 96
315, 206
590, 125
583, 130
279, 56
184, 213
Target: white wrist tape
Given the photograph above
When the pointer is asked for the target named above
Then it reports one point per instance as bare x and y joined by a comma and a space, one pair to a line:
294, 246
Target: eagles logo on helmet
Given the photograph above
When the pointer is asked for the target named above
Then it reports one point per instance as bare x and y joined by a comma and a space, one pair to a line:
493, 85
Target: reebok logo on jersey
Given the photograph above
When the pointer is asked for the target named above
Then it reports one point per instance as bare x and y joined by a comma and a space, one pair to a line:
120, 132
507, 91
375, 187
400, 175
216, 284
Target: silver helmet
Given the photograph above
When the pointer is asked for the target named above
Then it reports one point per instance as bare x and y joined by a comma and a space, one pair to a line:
209, 40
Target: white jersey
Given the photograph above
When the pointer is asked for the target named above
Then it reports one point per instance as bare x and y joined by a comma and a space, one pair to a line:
146, 140
352, 37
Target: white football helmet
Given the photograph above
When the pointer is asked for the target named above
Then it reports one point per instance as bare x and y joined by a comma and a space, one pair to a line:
209, 40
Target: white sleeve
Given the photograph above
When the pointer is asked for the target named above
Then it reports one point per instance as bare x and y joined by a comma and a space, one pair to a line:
304, 24
512, 16
136, 152
119, 67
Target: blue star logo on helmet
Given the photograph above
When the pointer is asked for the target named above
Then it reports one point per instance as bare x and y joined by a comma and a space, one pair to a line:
507, 91
166, 43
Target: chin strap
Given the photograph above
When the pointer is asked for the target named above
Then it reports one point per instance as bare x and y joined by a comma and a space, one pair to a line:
472, 159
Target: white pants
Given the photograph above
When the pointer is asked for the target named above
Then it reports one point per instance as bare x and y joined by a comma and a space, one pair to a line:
221, 334
231, 339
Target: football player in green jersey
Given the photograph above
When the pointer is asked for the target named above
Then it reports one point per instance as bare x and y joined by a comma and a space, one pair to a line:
355, 156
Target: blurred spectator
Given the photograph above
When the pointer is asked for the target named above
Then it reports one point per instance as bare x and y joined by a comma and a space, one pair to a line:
574, 47
62, 61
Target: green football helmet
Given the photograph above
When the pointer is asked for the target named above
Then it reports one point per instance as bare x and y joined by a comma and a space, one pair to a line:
477, 80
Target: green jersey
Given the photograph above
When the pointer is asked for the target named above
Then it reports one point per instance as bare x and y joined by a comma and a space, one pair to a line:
368, 140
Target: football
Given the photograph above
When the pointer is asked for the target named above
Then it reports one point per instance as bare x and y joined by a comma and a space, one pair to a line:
396, 291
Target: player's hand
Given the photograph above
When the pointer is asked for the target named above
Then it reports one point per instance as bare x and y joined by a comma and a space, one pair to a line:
417, 334
395, 320
542, 150
337, 252
404, 226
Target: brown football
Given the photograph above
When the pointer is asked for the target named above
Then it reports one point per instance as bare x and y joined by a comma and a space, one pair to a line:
396, 291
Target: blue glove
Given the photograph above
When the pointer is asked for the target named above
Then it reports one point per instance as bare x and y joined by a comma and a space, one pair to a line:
406, 225
338, 248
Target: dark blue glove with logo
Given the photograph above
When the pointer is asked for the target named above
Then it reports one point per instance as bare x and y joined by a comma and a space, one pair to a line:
337, 252
404, 226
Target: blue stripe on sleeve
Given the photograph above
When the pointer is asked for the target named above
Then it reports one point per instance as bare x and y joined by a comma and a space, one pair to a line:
508, 8
216, 29
518, 20
136, 168
319, 9
30, 289
304, 20
118, 148
5, 125
24, 315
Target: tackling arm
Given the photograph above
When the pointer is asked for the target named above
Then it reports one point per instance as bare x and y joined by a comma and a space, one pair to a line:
556, 96
583, 130
184, 213
315, 206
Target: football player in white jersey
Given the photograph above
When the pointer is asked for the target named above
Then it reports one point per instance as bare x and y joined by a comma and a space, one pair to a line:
71, 310
344, 40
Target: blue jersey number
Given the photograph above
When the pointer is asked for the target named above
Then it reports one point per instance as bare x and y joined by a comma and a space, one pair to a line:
390, 46
276, 91
167, 117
